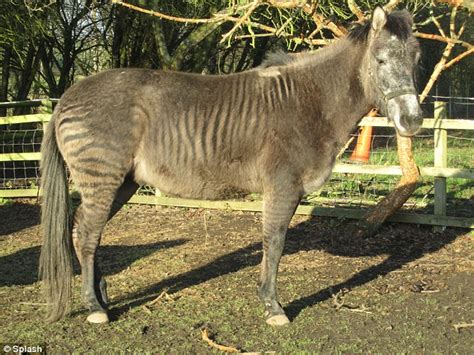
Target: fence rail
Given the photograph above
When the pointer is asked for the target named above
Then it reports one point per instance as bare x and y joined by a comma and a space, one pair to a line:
440, 172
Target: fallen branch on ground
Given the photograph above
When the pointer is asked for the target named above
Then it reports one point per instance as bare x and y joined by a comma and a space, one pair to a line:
463, 325
228, 349
338, 303
162, 295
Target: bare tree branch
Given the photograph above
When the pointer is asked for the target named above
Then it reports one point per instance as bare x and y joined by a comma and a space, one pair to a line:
392, 4
458, 58
356, 10
443, 39
437, 24
441, 65
165, 16
243, 19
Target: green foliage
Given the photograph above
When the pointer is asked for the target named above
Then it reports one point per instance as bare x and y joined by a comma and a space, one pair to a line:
18, 25
78, 38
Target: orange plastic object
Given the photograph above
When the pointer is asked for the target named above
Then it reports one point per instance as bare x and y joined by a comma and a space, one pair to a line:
362, 149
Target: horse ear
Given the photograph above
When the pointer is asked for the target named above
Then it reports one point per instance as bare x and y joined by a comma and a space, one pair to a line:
379, 19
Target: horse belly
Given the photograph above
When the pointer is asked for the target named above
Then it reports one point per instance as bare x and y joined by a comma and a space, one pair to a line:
196, 181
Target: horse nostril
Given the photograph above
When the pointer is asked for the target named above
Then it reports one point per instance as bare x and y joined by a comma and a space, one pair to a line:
414, 119
419, 119
411, 123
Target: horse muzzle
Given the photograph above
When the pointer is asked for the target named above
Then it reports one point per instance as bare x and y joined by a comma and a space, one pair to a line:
406, 114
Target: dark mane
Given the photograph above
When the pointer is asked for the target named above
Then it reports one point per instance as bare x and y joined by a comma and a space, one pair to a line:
398, 23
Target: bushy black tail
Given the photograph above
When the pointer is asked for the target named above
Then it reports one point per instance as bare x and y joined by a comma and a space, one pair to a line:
55, 266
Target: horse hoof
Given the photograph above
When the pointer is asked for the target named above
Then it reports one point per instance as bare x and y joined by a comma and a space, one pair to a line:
278, 320
98, 317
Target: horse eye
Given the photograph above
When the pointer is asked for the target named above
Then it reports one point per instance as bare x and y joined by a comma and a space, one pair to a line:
381, 61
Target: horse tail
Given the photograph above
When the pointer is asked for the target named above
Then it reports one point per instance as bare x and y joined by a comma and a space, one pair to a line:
55, 265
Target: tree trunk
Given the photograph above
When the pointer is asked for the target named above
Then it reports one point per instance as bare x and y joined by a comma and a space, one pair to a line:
160, 43
47, 71
26, 78
7, 52
395, 200
68, 57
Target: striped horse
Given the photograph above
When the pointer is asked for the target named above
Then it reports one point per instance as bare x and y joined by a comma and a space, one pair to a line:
275, 129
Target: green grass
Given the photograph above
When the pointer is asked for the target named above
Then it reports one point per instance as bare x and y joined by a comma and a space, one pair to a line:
5, 201
460, 151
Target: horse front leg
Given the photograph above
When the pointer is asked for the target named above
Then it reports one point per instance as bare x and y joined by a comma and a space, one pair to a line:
278, 209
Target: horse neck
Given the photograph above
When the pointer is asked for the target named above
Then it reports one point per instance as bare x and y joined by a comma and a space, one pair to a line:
338, 78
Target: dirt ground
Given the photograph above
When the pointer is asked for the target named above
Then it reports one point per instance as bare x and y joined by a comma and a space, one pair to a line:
173, 272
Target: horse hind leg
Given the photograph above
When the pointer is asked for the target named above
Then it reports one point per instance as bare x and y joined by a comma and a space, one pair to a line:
89, 222
124, 193
100, 285
98, 206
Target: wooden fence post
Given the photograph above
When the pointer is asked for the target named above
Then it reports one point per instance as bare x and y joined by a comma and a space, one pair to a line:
440, 161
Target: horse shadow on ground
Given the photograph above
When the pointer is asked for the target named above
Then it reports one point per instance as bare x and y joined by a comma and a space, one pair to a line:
17, 216
401, 247
21, 267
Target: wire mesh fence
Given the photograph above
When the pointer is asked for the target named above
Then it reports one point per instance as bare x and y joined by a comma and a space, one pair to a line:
22, 139
345, 189
21, 171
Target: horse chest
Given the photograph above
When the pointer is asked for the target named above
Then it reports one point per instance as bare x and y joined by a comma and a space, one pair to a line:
315, 176
314, 181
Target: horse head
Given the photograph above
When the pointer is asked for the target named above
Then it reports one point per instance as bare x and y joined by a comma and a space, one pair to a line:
388, 68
